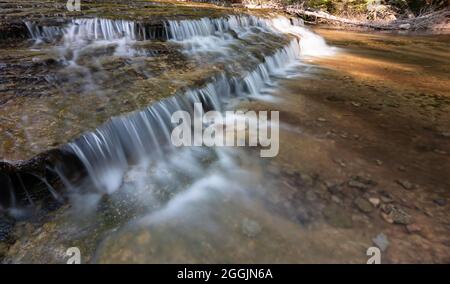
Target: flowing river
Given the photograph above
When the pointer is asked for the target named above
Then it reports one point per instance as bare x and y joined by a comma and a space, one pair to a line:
352, 118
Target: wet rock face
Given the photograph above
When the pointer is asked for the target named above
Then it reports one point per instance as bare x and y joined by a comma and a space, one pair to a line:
33, 186
41, 94
65, 80
11, 31
69, 80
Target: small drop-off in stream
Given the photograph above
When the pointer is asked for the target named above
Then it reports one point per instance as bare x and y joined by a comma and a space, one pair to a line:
133, 197
136, 180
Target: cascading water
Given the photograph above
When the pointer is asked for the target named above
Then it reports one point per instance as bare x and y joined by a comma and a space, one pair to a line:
83, 35
187, 29
107, 152
311, 44
44, 33
130, 164
95, 29
144, 136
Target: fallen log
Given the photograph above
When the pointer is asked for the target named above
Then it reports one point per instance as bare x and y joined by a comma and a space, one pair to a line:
416, 23
436, 19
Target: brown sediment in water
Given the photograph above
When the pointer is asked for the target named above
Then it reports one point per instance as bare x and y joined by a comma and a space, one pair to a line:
369, 123
376, 113
353, 135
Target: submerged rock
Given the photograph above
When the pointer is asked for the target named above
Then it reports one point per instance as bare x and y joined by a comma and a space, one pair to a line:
381, 241
405, 184
395, 214
338, 217
374, 201
440, 201
361, 183
250, 228
413, 228
363, 205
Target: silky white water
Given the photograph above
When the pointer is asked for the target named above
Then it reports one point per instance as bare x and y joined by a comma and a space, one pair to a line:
140, 142
144, 136
130, 162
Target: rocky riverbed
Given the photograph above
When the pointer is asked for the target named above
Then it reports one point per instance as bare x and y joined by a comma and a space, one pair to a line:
363, 161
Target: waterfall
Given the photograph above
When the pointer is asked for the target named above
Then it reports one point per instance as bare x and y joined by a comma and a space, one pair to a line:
95, 29
187, 29
135, 138
311, 44
144, 136
106, 29
44, 33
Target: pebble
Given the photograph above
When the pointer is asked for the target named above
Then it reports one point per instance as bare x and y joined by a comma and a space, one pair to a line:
405, 184
386, 197
363, 205
365, 180
381, 241
340, 162
413, 228
397, 215
334, 189
321, 119
358, 185
336, 199
387, 218
250, 228
374, 201
402, 168
440, 201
